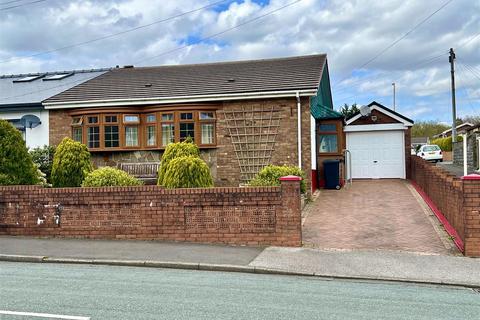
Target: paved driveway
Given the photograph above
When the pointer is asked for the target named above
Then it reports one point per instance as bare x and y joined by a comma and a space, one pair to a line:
374, 214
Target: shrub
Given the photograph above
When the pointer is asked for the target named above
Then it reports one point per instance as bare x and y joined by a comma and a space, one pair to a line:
445, 143
108, 176
16, 165
187, 172
270, 176
71, 164
43, 158
175, 150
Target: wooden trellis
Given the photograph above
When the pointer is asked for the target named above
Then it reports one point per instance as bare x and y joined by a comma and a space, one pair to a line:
253, 132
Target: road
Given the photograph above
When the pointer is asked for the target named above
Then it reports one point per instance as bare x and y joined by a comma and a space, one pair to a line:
110, 292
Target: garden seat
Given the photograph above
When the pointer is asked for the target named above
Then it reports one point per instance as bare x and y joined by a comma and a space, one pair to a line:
145, 171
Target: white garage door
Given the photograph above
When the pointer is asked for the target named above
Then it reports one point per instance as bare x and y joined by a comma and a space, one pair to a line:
377, 154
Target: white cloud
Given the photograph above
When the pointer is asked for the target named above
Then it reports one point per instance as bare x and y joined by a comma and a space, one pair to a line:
350, 32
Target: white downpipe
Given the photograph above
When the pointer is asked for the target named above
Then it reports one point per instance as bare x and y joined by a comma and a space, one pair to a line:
465, 164
299, 130
478, 149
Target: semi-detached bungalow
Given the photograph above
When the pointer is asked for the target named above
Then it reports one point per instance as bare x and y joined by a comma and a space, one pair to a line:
243, 115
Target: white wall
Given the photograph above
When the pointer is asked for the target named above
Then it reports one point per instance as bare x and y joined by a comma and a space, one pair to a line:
36, 137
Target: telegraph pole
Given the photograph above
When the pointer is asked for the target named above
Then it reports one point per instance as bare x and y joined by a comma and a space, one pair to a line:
451, 59
393, 85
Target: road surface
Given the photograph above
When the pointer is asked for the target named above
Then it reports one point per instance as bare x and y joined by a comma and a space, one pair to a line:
82, 292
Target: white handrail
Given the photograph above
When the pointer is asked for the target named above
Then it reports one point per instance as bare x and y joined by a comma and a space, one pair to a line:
347, 155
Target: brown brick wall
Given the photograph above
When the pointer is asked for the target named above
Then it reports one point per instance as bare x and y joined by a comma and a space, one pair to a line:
457, 199
381, 119
221, 160
240, 216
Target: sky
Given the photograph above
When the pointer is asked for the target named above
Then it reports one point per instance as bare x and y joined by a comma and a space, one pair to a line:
357, 36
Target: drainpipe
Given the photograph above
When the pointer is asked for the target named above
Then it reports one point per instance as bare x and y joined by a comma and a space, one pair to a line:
465, 164
299, 130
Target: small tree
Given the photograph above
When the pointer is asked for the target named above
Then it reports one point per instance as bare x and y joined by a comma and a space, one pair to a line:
71, 164
187, 172
349, 111
175, 150
43, 158
16, 165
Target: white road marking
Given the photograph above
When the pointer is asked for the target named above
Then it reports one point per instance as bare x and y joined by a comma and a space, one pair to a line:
43, 315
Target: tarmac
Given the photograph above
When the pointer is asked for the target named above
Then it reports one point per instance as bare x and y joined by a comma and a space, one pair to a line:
384, 265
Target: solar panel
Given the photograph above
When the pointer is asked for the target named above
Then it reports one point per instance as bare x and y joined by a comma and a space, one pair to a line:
29, 78
58, 76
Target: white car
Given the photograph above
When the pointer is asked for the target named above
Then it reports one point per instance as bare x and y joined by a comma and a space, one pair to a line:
430, 152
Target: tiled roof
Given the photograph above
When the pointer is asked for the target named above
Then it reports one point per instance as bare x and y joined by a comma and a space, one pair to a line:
294, 73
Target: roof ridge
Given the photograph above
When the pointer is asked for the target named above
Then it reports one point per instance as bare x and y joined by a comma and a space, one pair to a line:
7, 76
229, 62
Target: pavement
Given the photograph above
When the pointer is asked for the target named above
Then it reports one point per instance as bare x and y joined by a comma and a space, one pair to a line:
402, 266
85, 292
374, 214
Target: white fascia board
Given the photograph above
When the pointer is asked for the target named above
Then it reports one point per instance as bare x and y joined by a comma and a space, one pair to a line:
394, 116
391, 115
375, 127
184, 99
353, 119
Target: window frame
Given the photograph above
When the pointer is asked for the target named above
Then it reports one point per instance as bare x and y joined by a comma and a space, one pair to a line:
338, 133
142, 126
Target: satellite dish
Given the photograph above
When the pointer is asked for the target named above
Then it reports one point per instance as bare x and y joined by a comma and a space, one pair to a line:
30, 121
365, 111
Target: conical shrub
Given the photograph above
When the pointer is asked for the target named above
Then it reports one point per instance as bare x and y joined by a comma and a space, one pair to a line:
175, 150
71, 164
187, 172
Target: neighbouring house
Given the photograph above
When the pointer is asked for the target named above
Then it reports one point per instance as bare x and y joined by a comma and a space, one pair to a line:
379, 140
21, 97
460, 129
243, 115
419, 141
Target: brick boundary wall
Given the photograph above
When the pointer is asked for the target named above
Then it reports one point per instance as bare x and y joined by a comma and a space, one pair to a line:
238, 216
458, 199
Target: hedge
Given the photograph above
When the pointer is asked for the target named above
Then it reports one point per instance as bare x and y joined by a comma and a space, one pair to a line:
445, 144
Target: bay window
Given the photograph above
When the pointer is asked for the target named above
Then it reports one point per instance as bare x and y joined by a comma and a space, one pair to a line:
149, 130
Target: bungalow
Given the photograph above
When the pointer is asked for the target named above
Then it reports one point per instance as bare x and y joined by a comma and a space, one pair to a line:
21, 97
243, 115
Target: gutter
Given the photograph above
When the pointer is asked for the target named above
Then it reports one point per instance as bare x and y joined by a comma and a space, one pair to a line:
179, 99
299, 129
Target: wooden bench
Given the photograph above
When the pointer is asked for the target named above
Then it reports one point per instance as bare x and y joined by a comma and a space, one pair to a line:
145, 171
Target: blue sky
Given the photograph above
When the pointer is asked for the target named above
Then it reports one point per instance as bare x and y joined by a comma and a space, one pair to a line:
350, 32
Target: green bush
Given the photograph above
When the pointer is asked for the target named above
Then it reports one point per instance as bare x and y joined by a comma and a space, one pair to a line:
187, 172
270, 176
108, 176
16, 165
175, 150
445, 143
71, 164
43, 158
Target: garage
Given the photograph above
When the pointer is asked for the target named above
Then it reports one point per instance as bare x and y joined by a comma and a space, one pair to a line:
378, 139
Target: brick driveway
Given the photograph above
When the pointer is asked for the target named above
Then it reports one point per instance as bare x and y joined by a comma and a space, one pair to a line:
374, 214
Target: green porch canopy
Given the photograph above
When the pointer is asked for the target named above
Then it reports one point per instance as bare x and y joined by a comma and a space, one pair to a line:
321, 112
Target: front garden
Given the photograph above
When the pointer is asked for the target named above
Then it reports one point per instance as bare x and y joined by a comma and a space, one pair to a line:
69, 165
